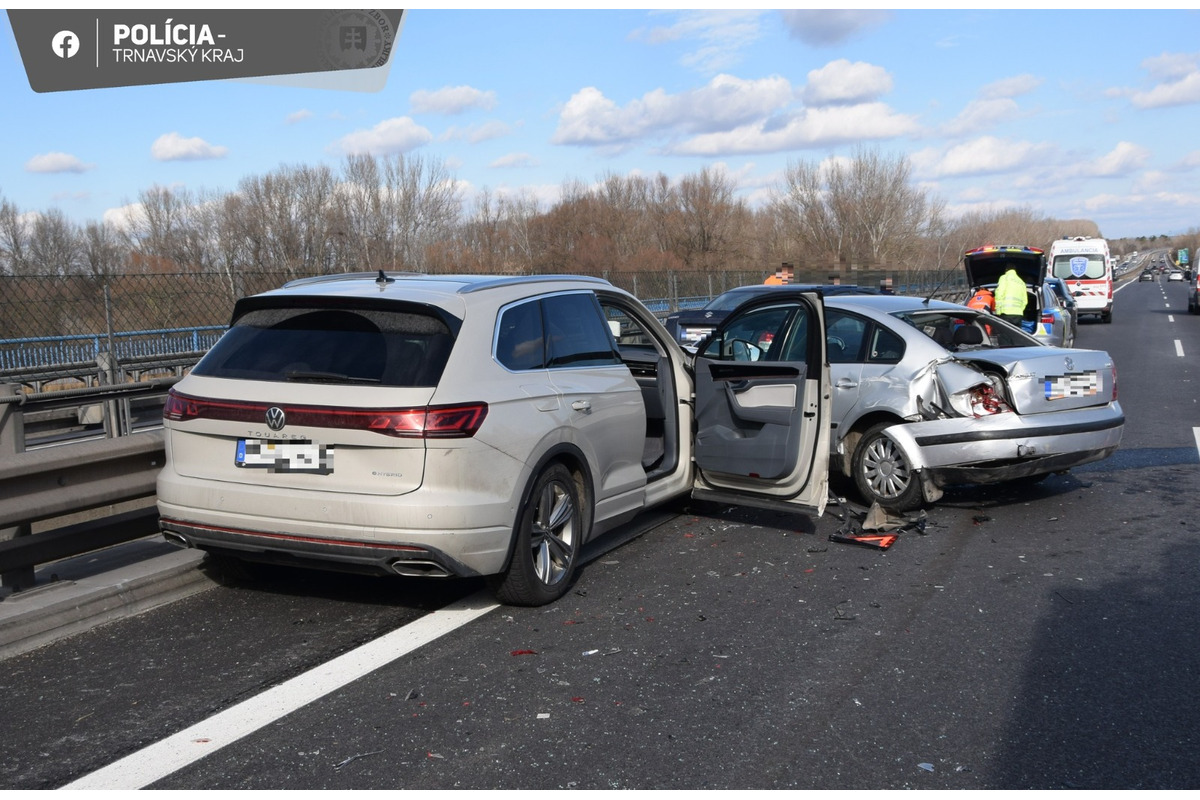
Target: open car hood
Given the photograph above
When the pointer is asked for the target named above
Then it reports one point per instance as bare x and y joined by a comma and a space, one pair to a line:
985, 265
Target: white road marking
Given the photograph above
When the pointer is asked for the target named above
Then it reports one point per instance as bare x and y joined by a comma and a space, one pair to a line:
1170, 317
1196, 436
160, 759
1179, 348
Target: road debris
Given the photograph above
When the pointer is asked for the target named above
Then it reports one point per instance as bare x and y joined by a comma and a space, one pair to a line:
344, 762
876, 527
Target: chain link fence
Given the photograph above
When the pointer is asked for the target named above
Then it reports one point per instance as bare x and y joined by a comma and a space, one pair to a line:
68, 331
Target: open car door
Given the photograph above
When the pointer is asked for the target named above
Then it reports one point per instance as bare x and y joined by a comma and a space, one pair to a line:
763, 405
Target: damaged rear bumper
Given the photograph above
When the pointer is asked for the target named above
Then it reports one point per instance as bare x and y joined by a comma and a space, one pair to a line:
1007, 446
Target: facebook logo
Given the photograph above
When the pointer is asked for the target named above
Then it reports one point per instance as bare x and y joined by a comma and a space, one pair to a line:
65, 44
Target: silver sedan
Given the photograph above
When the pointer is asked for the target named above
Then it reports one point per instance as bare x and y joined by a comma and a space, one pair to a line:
930, 394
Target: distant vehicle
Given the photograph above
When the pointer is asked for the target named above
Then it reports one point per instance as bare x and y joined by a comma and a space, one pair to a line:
1065, 302
689, 326
1175, 275
1084, 263
1147, 275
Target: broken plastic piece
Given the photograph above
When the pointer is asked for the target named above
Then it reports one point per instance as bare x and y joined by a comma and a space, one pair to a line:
881, 541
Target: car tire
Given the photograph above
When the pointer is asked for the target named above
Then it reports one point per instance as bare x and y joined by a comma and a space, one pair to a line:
882, 474
1106, 317
547, 537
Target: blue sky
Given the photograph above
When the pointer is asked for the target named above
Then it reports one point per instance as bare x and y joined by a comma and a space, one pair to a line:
1071, 113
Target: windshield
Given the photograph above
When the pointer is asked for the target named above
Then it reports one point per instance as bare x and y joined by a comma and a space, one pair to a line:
958, 330
728, 301
1074, 267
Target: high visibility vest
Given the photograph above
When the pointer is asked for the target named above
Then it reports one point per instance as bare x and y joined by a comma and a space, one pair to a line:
982, 300
1010, 294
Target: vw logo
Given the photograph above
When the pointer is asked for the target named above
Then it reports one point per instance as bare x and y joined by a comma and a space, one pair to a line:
1070, 364
276, 419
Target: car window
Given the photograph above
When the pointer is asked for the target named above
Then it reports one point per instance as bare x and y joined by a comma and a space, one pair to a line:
567, 330
520, 344
1091, 265
577, 334
751, 335
886, 347
844, 336
332, 345
942, 326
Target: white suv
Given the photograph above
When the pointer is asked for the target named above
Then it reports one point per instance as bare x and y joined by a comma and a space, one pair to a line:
474, 425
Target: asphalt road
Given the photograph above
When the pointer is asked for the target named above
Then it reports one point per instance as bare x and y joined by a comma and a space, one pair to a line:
1032, 637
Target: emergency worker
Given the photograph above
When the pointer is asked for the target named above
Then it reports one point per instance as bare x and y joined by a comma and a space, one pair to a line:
983, 300
1011, 297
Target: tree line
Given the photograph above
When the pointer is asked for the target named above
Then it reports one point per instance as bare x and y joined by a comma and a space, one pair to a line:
409, 213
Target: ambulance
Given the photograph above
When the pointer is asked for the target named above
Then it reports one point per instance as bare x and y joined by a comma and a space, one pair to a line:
1085, 265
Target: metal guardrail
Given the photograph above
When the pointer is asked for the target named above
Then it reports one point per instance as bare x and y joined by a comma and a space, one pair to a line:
43, 352
53, 482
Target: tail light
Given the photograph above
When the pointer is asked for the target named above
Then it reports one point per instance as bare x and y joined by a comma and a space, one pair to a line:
1047, 319
1114, 379
985, 401
422, 422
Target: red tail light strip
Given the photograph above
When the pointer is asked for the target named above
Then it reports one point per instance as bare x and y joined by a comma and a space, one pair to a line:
422, 422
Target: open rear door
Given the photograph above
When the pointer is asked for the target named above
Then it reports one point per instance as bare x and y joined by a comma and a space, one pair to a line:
763, 405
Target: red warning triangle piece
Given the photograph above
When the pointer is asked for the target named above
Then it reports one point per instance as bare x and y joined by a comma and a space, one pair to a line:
881, 541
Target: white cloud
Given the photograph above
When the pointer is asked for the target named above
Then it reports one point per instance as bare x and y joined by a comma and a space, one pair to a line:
173, 147
1015, 86
451, 100
590, 118
980, 115
814, 127
1126, 157
298, 116
392, 136
477, 133
56, 162
724, 35
841, 82
986, 154
514, 160
1150, 181
1171, 67
126, 218
824, 27
1180, 92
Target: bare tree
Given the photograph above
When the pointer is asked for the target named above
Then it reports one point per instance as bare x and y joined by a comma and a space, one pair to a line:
858, 209
54, 244
104, 251
14, 240
710, 219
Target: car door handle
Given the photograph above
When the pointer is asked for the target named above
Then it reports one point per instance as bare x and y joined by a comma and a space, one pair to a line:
846, 383
584, 406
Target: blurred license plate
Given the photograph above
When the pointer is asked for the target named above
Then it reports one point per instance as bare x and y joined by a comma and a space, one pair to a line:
291, 456
694, 335
1060, 387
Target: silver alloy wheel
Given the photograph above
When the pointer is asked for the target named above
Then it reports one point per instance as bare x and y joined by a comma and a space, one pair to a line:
884, 469
552, 536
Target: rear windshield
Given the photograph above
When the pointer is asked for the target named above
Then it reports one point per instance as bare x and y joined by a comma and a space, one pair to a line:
323, 345
966, 330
